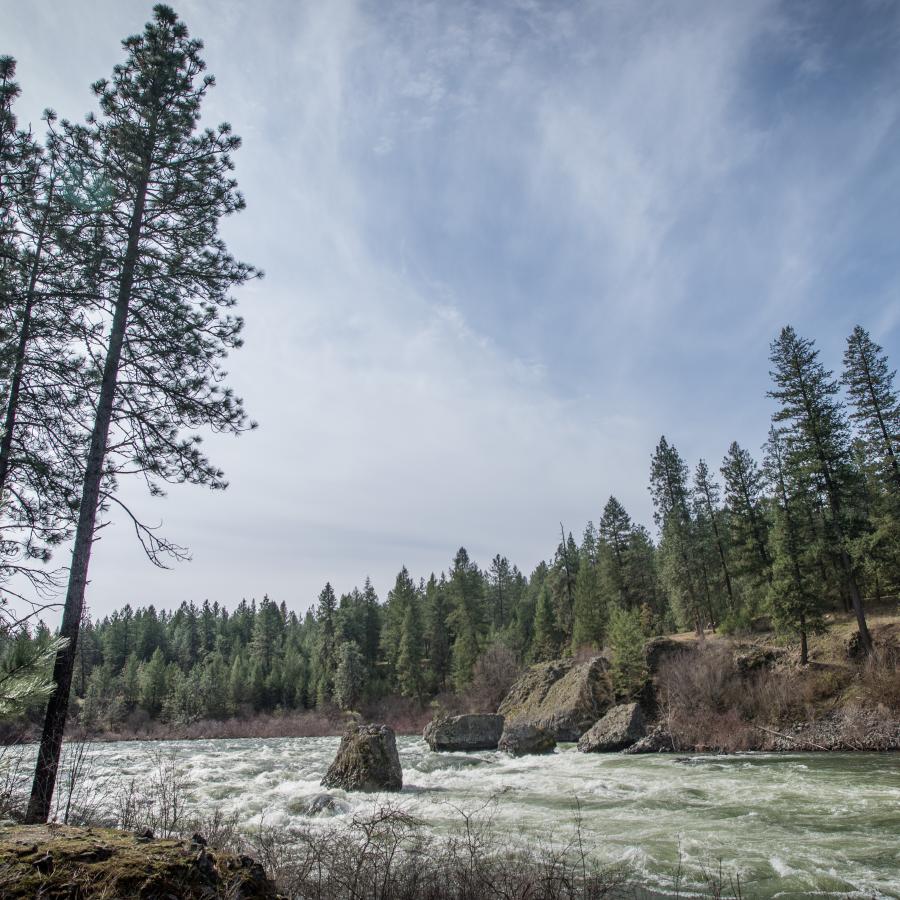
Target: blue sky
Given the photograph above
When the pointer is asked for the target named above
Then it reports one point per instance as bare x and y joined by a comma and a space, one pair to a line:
507, 245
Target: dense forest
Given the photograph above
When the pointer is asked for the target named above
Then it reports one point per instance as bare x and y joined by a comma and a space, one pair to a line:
811, 528
116, 315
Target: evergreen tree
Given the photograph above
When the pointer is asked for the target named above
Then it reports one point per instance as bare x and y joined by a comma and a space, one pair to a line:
348, 679
326, 645
466, 591
563, 582
816, 438
410, 672
615, 531
876, 406
372, 626
669, 489
707, 502
169, 277
590, 614
499, 577
747, 523
548, 638
626, 639
437, 611
793, 590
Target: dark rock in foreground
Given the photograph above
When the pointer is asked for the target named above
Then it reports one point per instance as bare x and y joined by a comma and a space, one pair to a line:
63, 862
657, 741
524, 739
469, 732
366, 760
561, 697
621, 727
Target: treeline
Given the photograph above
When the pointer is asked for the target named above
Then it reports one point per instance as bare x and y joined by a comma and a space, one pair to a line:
812, 527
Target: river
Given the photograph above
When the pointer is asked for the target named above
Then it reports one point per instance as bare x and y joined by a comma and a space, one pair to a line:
815, 824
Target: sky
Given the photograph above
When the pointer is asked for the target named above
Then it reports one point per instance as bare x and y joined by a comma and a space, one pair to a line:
507, 245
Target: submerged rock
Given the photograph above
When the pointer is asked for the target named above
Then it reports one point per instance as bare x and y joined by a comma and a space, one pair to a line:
657, 741
561, 697
325, 805
469, 732
366, 760
621, 727
525, 739
62, 861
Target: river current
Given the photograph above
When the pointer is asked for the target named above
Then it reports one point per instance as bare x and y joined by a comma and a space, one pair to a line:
792, 825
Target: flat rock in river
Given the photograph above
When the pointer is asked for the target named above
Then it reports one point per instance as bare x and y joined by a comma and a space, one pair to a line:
468, 732
621, 727
523, 739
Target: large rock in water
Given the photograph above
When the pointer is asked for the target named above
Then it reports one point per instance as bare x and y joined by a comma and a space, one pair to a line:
524, 739
366, 760
469, 732
621, 727
561, 697
657, 741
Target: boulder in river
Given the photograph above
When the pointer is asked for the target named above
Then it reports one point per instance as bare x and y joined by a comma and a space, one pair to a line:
524, 739
469, 732
657, 741
621, 727
325, 805
366, 760
562, 697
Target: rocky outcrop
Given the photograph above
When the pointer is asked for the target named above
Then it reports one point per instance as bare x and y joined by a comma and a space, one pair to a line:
62, 862
561, 697
469, 732
524, 739
621, 727
752, 658
657, 741
366, 760
657, 650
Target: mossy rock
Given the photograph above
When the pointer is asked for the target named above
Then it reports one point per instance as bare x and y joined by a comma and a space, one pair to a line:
366, 760
561, 697
51, 861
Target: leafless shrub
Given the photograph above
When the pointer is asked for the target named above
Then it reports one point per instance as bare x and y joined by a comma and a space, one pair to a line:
880, 678
14, 783
81, 797
494, 673
157, 803
389, 854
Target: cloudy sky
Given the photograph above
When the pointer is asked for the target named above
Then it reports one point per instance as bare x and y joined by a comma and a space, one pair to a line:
507, 245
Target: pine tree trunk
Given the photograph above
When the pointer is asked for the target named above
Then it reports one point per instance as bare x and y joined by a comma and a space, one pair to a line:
15, 386
58, 705
804, 648
865, 638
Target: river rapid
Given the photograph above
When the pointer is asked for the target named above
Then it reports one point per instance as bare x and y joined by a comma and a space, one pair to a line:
792, 825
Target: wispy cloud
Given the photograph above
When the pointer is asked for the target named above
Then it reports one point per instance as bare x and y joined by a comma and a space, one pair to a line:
507, 245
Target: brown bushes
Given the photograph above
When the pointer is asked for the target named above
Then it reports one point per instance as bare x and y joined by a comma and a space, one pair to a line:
879, 681
708, 704
495, 672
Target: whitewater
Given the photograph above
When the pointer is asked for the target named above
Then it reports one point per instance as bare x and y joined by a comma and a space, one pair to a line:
790, 825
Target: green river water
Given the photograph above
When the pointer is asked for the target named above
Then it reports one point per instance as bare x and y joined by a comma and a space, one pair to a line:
791, 825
